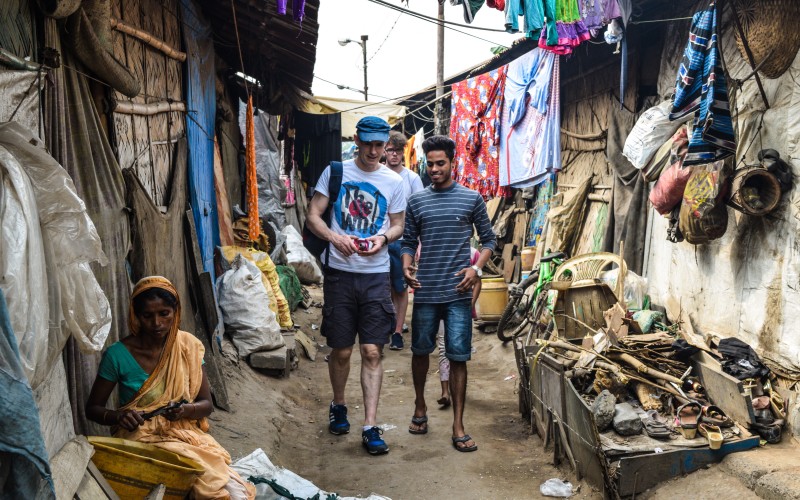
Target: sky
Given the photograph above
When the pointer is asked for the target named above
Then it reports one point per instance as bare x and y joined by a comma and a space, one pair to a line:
401, 50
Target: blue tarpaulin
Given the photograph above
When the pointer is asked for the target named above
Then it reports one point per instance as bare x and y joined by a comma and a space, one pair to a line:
201, 105
20, 433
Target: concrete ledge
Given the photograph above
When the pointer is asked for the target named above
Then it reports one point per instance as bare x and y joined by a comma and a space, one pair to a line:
750, 466
780, 485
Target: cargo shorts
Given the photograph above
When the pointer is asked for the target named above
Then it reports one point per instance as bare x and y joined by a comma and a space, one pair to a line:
357, 304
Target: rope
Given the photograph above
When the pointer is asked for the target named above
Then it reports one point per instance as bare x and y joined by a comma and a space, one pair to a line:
239, 46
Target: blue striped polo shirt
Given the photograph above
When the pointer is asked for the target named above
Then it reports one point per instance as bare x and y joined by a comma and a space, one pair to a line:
442, 221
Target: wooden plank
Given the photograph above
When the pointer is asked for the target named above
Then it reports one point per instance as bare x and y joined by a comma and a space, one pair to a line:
69, 465
89, 489
206, 321
156, 493
493, 208
101, 481
726, 392
639, 473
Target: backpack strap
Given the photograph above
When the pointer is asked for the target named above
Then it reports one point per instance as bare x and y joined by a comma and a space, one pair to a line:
334, 186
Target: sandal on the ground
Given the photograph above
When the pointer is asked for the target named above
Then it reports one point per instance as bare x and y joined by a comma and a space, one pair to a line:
715, 416
443, 402
419, 422
686, 419
463, 440
712, 433
654, 427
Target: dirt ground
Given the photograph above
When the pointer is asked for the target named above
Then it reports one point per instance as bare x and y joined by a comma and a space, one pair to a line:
288, 418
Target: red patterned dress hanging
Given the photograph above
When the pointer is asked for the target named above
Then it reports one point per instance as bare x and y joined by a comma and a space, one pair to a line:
475, 127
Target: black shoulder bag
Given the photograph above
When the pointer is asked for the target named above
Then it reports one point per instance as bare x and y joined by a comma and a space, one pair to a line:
311, 241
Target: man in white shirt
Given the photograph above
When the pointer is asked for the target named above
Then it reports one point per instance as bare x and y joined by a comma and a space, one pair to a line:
412, 183
367, 216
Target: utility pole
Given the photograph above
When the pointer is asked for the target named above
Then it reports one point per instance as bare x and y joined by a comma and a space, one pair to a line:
438, 114
364, 51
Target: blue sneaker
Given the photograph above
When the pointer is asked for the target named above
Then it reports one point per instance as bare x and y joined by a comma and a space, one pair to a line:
373, 442
338, 419
397, 342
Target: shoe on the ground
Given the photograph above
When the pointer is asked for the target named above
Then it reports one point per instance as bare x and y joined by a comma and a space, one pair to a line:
338, 419
397, 342
373, 441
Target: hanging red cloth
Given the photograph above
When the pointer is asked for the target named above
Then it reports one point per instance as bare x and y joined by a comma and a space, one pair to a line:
253, 224
475, 128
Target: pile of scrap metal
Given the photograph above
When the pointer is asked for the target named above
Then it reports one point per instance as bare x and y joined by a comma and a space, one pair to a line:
649, 386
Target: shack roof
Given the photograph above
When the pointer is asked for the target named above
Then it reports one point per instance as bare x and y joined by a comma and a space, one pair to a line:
276, 50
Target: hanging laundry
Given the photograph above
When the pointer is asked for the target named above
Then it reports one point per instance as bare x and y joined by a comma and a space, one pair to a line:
701, 87
471, 7
420, 161
475, 127
541, 206
595, 13
408, 154
254, 225
533, 13
564, 29
298, 9
530, 143
496, 4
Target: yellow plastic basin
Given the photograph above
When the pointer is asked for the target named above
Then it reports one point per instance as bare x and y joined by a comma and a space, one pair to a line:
133, 468
493, 299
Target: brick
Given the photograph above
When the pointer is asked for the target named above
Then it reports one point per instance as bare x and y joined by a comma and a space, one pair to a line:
277, 359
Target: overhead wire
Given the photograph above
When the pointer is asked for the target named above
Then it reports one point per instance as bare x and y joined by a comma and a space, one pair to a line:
431, 18
386, 38
447, 24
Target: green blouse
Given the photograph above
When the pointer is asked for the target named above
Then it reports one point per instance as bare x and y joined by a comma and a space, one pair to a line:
118, 365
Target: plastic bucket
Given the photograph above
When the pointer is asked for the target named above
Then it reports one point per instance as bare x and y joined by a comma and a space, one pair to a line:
493, 299
133, 468
527, 258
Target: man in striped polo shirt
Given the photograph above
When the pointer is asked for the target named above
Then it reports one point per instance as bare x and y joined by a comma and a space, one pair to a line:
441, 219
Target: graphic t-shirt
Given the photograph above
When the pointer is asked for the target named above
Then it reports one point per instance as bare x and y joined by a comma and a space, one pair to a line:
362, 210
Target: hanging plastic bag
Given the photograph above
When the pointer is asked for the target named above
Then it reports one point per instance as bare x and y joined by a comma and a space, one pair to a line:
244, 303
652, 130
703, 188
668, 191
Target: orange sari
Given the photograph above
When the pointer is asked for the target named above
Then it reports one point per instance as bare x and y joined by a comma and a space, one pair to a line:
178, 376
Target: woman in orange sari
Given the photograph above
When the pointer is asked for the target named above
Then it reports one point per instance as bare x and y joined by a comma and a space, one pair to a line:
156, 365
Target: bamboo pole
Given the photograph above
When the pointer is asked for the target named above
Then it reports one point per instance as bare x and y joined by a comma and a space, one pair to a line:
642, 368
147, 109
148, 39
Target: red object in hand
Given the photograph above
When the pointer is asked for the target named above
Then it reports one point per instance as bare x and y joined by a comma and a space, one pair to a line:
363, 245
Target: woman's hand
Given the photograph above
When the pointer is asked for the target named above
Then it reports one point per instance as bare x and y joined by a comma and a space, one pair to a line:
130, 419
185, 410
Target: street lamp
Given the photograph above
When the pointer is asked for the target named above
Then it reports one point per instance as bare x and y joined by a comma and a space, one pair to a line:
363, 44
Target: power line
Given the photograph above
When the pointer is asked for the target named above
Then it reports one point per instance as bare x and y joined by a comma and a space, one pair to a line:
384, 40
436, 21
431, 18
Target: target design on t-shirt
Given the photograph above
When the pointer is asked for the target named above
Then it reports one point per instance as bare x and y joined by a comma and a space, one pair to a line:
362, 209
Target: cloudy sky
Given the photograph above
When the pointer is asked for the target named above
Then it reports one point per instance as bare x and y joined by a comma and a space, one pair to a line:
401, 49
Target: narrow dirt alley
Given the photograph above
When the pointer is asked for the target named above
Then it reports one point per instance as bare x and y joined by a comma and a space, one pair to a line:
288, 418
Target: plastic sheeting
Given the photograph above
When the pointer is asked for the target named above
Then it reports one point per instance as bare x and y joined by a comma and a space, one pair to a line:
20, 434
43, 213
201, 103
271, 189
20, 89
353, 110
743, 285
77, 140
258, 464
